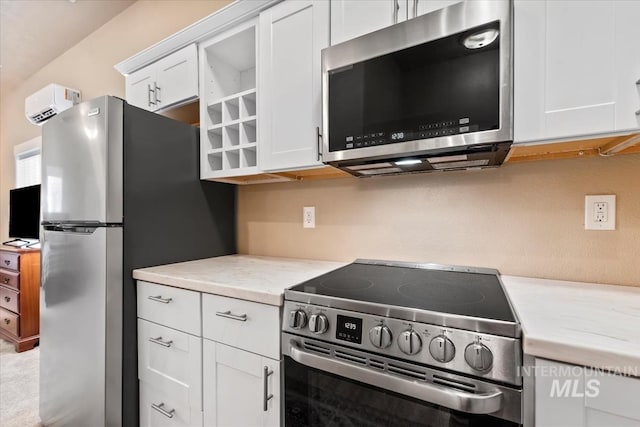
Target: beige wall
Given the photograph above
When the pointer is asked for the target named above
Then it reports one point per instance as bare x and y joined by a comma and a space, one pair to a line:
88, 66
525, 219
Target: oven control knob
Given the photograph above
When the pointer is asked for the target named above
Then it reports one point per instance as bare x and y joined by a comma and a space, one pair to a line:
297, 319
409, 342
478, 356
318, 323
380, 336
442, 349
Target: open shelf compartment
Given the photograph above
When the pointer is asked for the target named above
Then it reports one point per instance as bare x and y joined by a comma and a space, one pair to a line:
231, 64
248, 132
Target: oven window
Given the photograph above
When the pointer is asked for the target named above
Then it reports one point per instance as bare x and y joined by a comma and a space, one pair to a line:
315, 398
439, 88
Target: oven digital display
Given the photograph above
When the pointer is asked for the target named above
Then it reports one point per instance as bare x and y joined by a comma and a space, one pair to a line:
349, 329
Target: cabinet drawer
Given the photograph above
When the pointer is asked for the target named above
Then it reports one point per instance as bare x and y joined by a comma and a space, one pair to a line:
10, 278
9, 321
171, 361
168, 306
243, 324
9, 299
10, 261
159, 409
612, 394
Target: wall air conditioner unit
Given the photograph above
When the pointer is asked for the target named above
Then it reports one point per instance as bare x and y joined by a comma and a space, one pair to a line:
49, 101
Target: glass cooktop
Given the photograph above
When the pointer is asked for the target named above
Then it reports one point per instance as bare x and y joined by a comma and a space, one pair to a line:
476, 294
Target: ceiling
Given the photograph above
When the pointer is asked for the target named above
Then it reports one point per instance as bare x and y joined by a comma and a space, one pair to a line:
34, 32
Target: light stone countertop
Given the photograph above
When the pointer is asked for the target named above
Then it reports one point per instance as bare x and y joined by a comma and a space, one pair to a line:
252, 278
580, 323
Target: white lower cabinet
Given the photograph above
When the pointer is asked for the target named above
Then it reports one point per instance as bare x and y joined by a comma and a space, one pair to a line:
240, 388
159, 409
574, 396
230, 378
169, 360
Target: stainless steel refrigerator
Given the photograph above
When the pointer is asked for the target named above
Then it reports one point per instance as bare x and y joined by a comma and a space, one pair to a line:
120, 190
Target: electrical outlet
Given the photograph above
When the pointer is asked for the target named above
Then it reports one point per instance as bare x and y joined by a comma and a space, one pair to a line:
600, 212
309, 217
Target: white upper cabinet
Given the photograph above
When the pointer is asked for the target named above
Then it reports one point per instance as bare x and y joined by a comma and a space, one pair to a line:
576, 67
351, 19
139, 88
354, 18
627, 70
228, 119
420, 7
168, 82
292, 36
177, 77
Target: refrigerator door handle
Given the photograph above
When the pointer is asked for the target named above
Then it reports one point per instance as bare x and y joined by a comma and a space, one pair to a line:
71, 228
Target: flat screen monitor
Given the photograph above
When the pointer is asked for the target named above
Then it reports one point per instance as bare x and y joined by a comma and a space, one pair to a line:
24, 212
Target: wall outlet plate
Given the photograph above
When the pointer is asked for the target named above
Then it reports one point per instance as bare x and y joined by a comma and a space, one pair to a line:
309, 217
600, 212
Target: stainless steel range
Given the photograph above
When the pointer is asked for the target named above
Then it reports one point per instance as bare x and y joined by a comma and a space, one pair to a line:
380, 343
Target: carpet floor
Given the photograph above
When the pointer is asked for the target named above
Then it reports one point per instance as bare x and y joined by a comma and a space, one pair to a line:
19, 386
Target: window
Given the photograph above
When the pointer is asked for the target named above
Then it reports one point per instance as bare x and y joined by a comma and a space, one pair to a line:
28, 160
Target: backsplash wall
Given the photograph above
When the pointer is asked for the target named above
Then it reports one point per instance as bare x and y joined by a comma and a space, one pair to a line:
523, 219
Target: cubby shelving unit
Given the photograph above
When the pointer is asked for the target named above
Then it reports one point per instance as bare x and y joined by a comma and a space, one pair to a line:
228, 120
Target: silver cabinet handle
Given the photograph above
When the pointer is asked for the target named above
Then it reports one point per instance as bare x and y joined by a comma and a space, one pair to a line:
149, 101
396, 8
160, 408
265, 382
159, 341
473, 403
160, 299
156, 92
319, 142
415, 8
229, 315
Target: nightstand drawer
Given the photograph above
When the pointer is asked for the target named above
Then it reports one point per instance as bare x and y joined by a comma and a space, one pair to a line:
9, 321
173, 307
10, 278
9, 299
10, 261
171, 361
243, 324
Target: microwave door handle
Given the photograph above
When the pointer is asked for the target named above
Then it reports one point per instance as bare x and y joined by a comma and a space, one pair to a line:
472, 403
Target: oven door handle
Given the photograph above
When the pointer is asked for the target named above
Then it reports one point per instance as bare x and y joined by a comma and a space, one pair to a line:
480, 403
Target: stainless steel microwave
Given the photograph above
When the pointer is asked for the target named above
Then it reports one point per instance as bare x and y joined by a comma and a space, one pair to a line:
429, 94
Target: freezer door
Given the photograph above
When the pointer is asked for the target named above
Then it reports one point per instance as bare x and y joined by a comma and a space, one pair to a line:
81, 327
82, 163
